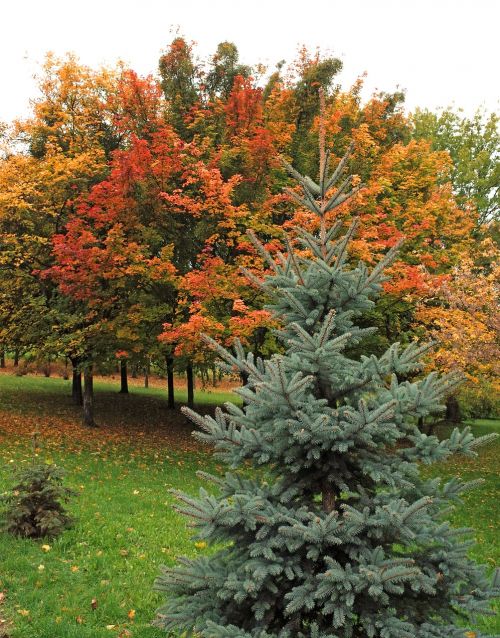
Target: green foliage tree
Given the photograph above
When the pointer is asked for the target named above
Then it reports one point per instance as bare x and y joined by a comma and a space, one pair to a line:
473, 144
335, 533
224, 68
313, 72
179, 74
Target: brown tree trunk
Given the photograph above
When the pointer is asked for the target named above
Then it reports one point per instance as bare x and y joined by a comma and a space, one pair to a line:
453, 410
88, 397
244, 378
123, 377
190, 385
170, 382
146, 374
16, 357
2, 358
76, 384
328, 498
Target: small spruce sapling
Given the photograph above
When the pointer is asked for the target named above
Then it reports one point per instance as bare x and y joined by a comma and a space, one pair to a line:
344, 538
35, 506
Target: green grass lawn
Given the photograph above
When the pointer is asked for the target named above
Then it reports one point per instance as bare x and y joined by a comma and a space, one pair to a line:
125, 525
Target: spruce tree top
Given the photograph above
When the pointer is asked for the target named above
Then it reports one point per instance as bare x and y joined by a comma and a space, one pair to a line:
326, 529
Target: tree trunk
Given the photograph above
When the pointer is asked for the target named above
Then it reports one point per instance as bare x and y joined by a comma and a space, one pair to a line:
2, 358
16, 357
76, 384
134, 371
170, 382
146, 374
190, 384
214, 377
328, 498
123, 377
453, 410
88, 397
244, 378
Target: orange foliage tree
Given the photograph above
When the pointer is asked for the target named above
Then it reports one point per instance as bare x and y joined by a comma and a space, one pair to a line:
462, 316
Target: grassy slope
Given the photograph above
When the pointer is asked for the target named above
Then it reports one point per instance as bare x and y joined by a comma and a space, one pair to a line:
125, 524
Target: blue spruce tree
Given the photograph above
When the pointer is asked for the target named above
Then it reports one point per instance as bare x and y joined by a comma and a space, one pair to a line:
325, 528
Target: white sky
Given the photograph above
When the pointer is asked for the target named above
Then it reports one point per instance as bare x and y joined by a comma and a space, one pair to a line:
442, 52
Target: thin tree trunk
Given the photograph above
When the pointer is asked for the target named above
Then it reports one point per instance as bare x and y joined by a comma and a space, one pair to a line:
453, 410
2, 358
76, 384
328, 498
88, 397
190, 385
123, 377
214, 377
170, 382
16, 357
146, 374
244, 378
